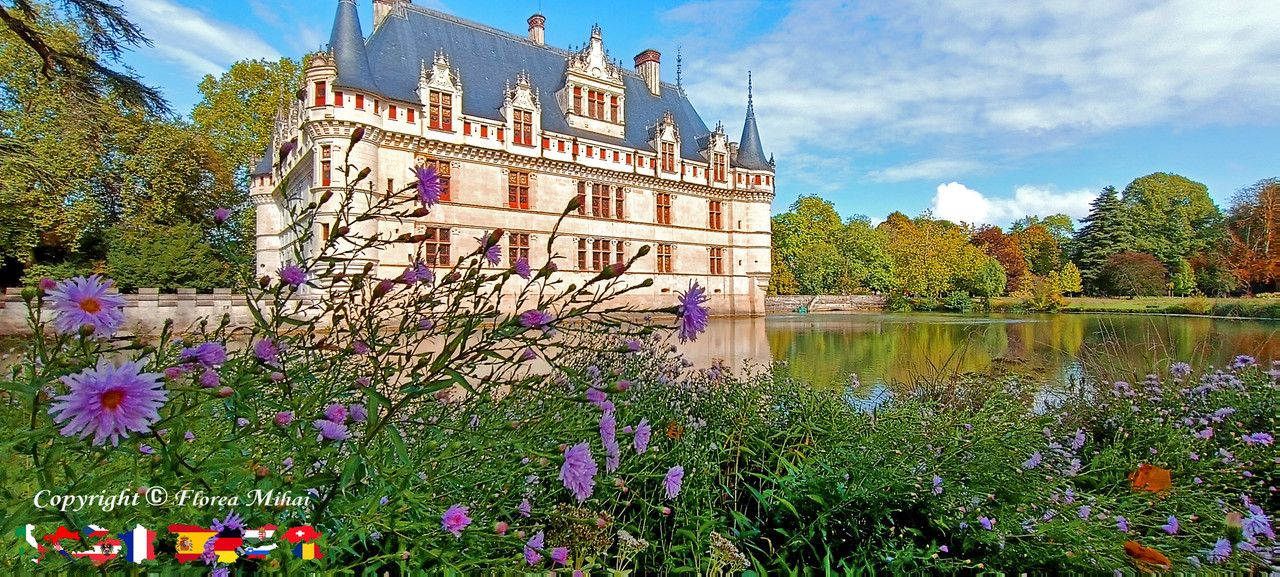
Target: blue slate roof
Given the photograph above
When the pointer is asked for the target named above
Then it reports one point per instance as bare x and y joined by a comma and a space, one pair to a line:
750, 152
267, 163
486, 60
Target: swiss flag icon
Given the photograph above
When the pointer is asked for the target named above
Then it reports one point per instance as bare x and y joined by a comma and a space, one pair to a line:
301, 534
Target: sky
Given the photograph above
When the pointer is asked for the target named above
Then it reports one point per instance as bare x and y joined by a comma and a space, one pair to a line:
980, 111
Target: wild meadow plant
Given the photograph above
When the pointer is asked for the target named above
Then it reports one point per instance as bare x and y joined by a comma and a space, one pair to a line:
472, 418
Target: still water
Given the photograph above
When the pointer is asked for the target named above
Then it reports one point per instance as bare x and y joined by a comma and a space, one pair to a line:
824, 350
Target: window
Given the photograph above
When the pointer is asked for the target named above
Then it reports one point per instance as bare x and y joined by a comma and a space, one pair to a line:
377, 107
577, 100
664, 208
582, 198
359, 102
466, 128
391, 186
719, 163
442, 171
717, 261
517, 246
620, 255
600, 253
324, 232
337, 99
582, 254
391, 112
619, 202
435, 245
518, 189
484, 131
409, 115
668, 157
546, 143
600, 200
326, 166
615, 156
502, 134
320, 93
715, 216
595, 105
664, 258
523, 128
613, 109
560, 145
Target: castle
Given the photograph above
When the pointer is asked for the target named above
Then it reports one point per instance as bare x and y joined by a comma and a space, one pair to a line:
516, 129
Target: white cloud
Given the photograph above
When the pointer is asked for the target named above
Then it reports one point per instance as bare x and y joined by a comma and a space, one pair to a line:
194, 40
866, 75
959, 203
932, 169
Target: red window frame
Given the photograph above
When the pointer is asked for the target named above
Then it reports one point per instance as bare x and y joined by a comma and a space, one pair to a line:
664, 208
518, 189
321, 93
715, 215
435, 246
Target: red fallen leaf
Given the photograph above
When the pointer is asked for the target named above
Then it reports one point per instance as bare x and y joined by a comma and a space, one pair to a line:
1150, 478
1144, 557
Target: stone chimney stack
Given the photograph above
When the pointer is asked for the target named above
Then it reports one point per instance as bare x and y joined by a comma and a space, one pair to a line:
538, 29
647, 66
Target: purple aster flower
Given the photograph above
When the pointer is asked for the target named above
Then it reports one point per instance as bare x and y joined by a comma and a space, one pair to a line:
1258, 438
146, 450
596, 396
494, 255
944, 549
1171, 527
220, 571
691, 312
536, 319
287, 462
455, 520
525, 508
242, 422
1033, 462
331, 430
1180, 370
336, 413
209, 556
1078, 441
1073, 468
1084, 512
221, 215
1205, 434
428, 185
578, 471
1243, 362
529, 354
612, 458
1221, 550
522, 268
267, 351
608, 429
1257, 523
292, 275
210, 379
189, 436
360, 348
1070, 496
81, 301
643, 432
359, 414
560, 555
207, 354
937, 485
531, 555
633, 346
986, 523
1122, 524
674, 481
283, 418
233, 522
109, 401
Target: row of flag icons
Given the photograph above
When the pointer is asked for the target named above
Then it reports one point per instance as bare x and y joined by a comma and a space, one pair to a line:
139, 543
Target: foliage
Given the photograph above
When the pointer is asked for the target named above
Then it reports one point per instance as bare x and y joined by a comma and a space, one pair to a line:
167, 258
1133, 274
782, 281
1214, 276
1183, 280
1173, 218
989, 281
1071, 281
825, 255
931, 257
1060, 226
1001, 247
1047, 294
1253, 224
1039, 248
958, 301
1107, 231
237, 110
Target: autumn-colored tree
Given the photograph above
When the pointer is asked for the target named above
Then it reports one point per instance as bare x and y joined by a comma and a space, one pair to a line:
237, 110
932, 257
1071, 281
1039, 248
994, 242
1253, 222
1134, 274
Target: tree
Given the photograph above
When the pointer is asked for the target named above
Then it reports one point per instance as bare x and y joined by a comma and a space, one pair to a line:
994, 242
166, 258
79, 67
1183, 280
1071, 281
1039, 248
237, 110
989, 281
1253, 225
1133, 274
1107, 231
1060, 226
931, 257
1173, 218
867, 251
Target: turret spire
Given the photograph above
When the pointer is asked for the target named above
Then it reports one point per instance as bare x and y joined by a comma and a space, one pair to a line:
347, 45
750, 151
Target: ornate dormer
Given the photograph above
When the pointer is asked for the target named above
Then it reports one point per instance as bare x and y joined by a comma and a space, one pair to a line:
717, 153
594, 96
522, 107
440, 92
665, 140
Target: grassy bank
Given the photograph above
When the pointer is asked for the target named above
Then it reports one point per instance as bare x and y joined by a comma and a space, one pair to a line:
1226, 307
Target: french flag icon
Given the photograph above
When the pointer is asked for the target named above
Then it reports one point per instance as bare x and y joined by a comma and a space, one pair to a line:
140, 542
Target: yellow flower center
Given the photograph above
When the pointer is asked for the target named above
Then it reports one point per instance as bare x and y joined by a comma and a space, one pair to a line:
91, 305
112, 399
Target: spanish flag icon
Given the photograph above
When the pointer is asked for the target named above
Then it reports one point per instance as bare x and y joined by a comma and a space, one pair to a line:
307, 551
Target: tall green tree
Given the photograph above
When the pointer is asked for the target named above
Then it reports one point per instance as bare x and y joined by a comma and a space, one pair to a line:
237, 110
1173, 217
1107, 231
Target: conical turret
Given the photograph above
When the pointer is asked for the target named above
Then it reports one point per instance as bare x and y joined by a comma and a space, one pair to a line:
347, 44
750, 151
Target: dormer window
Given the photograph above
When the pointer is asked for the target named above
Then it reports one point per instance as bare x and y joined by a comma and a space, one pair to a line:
595, 105
668, 157
441, 110
719, 162
522, 128
594, 95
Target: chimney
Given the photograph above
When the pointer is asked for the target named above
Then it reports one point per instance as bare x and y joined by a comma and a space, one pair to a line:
381, 9
647, 67
538, 29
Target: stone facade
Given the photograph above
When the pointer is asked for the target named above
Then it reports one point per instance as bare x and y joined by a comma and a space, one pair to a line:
519, 131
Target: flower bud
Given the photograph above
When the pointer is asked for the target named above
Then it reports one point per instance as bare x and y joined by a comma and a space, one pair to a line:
364, 173
494, 237
264, 282
221, 215
47, 284
172, 373
225, 392
328, 194
263, 471
87, 330
356, 136
575, 203
501, 528
384, 287
644, 250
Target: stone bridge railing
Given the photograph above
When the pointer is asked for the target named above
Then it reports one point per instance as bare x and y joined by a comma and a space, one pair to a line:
146, 312
789, 303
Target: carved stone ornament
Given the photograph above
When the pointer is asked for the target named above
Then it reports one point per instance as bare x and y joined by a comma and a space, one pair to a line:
439, 76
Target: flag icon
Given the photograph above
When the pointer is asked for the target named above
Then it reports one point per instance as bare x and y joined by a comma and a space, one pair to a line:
307, 551
28, 535
93, 532
62, 534
191, 540
104, 550
301, 534
262, 533
141, 544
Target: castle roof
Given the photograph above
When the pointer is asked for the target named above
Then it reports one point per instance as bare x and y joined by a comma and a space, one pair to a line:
750, 151
485, 61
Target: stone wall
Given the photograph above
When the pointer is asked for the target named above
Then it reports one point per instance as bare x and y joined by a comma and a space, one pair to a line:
789, 303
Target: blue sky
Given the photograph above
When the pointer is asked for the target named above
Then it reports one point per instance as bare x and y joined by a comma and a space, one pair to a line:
979, 110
